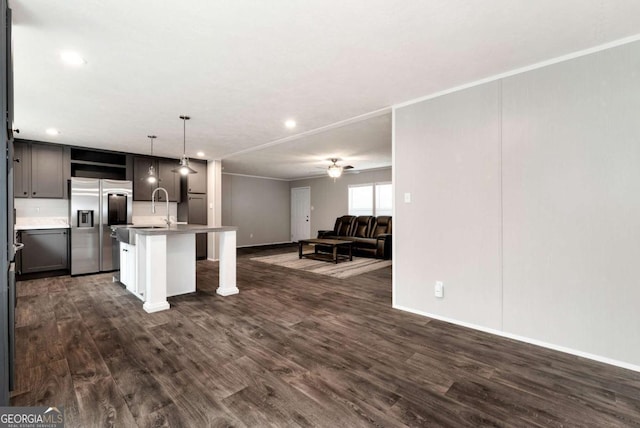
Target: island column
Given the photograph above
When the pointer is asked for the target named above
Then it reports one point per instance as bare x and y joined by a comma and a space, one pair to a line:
227, 275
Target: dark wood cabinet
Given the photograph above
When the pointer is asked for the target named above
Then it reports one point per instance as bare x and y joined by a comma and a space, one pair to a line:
47, 171
197, 183
197, 205
21, 170
168, 179
197, 209
44, 250
89, 163
142, 189
39, 170
201, 246
193, 205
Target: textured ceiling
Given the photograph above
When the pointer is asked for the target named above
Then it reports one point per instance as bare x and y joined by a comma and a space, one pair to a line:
240, 68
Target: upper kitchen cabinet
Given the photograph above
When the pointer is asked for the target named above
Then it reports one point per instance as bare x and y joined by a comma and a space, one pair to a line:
168, 179
197, 183
88, 163
39, 170
47, 171
21, 170
142, 189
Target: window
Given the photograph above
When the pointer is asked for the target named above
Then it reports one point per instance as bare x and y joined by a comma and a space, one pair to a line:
370, 199
384, 201
361, 200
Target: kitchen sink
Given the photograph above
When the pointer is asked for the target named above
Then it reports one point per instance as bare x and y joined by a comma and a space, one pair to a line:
128, 234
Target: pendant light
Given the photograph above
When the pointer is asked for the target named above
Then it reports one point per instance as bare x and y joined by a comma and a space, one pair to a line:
151, 175
184, 168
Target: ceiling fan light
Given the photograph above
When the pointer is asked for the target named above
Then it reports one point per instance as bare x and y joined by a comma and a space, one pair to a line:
334, 171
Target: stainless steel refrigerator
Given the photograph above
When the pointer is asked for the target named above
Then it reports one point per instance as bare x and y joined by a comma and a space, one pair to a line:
96, 205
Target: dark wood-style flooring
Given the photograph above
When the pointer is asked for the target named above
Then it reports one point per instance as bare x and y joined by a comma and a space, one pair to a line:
292, 349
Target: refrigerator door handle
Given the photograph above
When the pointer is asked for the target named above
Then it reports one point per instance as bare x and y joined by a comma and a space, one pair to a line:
17, 246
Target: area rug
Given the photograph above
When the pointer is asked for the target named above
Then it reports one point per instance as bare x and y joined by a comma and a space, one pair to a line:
344, 269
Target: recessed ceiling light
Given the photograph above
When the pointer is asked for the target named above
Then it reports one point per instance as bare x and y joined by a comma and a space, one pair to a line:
52, 131
72, 58
201, 154
290, 124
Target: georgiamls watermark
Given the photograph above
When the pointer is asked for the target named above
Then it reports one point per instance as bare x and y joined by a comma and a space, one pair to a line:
32, 417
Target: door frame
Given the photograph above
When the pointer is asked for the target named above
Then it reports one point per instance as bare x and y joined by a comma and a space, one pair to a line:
308, 221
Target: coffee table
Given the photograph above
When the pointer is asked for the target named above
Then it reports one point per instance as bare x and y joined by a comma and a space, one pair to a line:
318, 253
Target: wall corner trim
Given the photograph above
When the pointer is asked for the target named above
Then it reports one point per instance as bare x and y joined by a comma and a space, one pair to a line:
524, 339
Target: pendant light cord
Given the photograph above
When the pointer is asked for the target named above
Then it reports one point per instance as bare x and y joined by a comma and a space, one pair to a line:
151, 137
184, 134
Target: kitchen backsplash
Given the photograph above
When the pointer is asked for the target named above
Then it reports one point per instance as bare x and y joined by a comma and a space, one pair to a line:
34, 211
142, 212
26, 208
41, 207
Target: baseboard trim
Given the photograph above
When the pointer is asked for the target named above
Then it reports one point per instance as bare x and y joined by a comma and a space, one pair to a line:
264, 245
525, 339
227, 291
155, 307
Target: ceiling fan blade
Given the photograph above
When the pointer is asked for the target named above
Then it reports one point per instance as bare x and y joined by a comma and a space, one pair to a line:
347, 167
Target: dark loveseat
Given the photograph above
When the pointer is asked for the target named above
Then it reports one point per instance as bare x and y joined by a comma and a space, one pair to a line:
371, 236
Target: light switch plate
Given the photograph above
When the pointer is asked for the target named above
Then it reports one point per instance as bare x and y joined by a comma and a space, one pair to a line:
407, 198
439, 289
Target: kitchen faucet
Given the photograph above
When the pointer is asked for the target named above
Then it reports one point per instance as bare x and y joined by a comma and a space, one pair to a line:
153, 203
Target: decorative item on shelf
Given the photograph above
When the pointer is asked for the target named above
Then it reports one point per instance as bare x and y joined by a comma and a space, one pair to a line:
184, 167
335, 170
151, 177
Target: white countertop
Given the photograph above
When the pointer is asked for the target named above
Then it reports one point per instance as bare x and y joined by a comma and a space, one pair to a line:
34, 223
180, 229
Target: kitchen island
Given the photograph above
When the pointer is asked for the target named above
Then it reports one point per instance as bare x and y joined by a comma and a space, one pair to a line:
163, 262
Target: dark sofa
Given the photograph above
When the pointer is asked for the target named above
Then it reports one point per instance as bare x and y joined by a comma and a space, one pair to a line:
371, 236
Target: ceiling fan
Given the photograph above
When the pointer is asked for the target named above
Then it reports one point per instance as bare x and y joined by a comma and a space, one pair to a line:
335, 170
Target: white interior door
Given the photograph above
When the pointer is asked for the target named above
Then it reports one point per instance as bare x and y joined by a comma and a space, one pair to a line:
300, 213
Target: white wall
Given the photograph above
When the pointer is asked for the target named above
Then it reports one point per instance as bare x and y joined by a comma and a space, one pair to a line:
259, 207
526, 204
448, 158
330, 199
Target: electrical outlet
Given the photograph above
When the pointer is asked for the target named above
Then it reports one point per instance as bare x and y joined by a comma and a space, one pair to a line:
251, 235
439, 289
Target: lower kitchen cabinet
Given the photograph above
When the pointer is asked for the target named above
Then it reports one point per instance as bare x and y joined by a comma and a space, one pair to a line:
44, 250
128, 267
197, 205
201, 246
